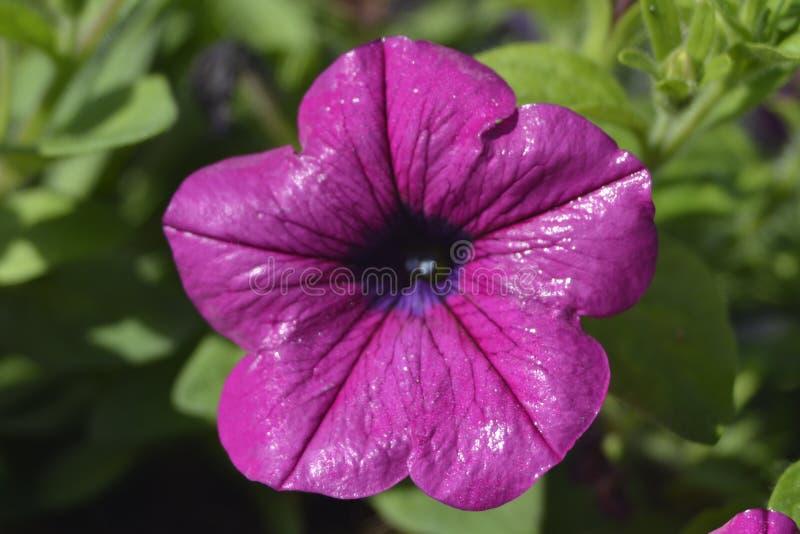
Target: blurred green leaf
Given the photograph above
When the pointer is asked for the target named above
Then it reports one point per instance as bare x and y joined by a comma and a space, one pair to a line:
199, 385
791, 45
40, 229
76, 176
32, 73
16, 369
36, 205
726, 11
636, 59
757, 71
661, 18
20, 261
119, 118
702, 31
692, 199
676, 90
120, 60
599, 19
19, 22
762, 55
407, 508
673, 355
133, 340
5, 89
277, 25
717, 68
715, 155
539, 72
785, 497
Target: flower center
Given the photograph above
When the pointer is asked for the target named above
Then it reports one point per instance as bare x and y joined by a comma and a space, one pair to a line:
413, 257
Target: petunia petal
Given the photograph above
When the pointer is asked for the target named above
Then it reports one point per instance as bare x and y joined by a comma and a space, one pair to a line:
255, 297
539, 159
438, 102
324, 412
342, 123
508, 391
595, 255
261, 218
758, 521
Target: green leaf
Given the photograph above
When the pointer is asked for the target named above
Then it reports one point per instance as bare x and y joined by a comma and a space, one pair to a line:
726, 12
16, 369
757, 71
133, 340
199, 385
75, 177
674, 354
277, 25
761, 55
636, 59
5, 89
791, 45
19, 22
41, 229
599, 19
661, 18
619, 115
36, 205
407, 508
122, 58
20, 261
118, 118
717, 68
692, 199
539, 72
785, 497
33, 72
676, 90
702, 31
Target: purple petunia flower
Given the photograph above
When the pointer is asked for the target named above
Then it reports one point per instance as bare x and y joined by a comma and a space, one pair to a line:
758, 521
501, 226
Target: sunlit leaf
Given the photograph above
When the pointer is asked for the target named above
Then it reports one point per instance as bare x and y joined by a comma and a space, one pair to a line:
786, 495
409, 509
118, 118
199, 385
20, 22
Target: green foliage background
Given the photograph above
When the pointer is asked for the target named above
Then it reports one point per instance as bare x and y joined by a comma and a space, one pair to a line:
109, 380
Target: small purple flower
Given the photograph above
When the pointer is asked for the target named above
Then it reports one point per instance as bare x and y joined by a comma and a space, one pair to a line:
502, 226
758, 521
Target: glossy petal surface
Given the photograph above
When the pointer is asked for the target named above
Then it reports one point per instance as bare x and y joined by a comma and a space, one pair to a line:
250, 223
758, 521
474, 410
473, 395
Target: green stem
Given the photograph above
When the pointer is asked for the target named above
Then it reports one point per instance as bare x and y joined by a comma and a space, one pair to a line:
669, 137
599, 14
262, 103
30, 131
627, 31
5, 88
89, 39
